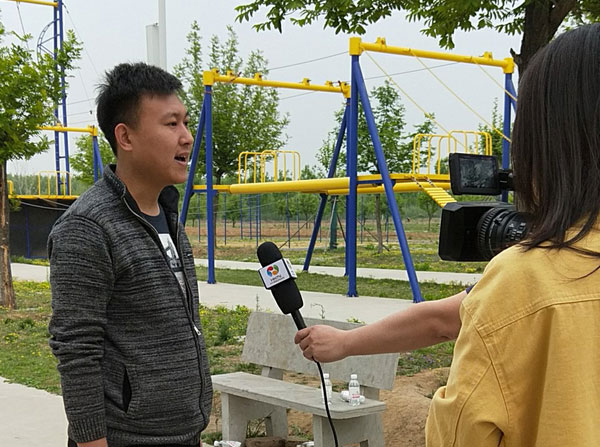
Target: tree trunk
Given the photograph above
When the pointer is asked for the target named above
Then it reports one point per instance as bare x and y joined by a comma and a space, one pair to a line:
378, 223
7, 292
542, 20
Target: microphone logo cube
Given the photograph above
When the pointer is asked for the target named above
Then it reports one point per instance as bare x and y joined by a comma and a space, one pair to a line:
274, 273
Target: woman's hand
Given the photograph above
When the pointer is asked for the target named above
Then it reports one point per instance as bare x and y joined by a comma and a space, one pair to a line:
322, 343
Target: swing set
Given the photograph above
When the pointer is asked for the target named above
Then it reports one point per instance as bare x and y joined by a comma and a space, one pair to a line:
434, 183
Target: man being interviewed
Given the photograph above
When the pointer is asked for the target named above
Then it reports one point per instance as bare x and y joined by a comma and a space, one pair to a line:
125, 325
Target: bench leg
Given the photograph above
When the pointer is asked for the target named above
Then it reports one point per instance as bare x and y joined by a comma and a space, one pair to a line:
366, 430
277, 423
237, 411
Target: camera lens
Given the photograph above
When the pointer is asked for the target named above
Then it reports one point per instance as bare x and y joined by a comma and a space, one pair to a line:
499, 228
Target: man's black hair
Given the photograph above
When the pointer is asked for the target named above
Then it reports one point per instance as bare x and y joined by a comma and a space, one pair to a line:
120, 95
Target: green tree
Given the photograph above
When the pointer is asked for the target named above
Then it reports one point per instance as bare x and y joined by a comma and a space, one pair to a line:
536, 20
325, 153
397, 145
29, 90
244, 118
83, 161
497, 123
428, 205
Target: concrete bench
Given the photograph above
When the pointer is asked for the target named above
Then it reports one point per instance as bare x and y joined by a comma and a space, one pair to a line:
270, 343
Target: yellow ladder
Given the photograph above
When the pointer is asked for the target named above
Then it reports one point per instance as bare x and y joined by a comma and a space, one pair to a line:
440, 196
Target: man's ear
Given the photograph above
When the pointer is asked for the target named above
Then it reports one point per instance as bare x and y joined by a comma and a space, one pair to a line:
122, 137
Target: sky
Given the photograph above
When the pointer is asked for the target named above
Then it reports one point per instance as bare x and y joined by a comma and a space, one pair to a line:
114, 31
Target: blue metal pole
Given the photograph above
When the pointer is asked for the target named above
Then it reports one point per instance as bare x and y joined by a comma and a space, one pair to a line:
257, 216
225, 219
506, 129
27, 236
287, 217
351, 172
511, 89
64, 99
210, 234
241, 219
357, 78
189, 185
98, 168
250, 215
298, 215
56, 134
330, 174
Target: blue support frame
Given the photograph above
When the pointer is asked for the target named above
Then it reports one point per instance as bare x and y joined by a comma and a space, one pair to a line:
351, 173
357, 78
189, 186
64, 101
508, 102
330, 174
210, 234
97, 159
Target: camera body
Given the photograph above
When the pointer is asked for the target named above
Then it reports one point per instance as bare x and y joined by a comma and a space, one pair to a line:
477, 231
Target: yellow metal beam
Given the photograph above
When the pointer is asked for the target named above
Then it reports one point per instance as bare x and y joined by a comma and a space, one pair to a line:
37, 2
398, 187
336, 185
380, 46
213, 76
92, 130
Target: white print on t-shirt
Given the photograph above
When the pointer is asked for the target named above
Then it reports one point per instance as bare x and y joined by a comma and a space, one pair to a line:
173, 258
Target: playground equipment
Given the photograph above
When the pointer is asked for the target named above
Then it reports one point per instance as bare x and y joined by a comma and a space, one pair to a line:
351, 185
30, 225
260, 160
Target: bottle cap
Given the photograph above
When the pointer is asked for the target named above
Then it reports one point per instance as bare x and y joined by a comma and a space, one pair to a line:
353, 377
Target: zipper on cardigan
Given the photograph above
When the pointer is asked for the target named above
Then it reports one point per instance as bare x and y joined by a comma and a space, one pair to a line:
189, 310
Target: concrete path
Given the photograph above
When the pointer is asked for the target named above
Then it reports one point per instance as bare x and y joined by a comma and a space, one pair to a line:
32, 417
29, 272
316, 304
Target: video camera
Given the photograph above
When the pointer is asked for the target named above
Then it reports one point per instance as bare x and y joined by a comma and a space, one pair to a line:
477, 231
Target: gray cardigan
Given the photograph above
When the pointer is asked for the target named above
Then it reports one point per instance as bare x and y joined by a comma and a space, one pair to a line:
132, 358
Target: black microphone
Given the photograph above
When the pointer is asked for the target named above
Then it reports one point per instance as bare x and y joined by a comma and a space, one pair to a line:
286, 293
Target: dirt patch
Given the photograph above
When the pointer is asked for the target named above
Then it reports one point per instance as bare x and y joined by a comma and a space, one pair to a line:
407, 406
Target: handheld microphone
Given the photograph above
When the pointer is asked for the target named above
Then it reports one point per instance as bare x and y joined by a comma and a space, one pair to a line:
279, 278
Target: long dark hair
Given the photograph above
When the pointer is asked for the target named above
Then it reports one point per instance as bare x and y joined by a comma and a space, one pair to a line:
556, 141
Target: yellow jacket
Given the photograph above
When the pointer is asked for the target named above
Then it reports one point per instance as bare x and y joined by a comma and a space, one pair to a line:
526, 366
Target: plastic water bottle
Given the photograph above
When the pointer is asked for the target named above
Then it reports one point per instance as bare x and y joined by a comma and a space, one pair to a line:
328, 388
354, 390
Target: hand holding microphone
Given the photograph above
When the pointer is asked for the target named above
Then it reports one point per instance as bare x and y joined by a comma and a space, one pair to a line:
278, 277
323, 343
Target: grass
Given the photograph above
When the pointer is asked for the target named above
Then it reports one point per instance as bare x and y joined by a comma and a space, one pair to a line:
25, 356
384, 288
32, 261
423, 245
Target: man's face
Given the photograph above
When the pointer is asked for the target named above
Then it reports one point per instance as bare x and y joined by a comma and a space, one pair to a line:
161, 141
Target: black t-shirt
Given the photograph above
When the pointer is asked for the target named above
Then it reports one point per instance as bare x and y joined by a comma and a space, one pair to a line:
161, 226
